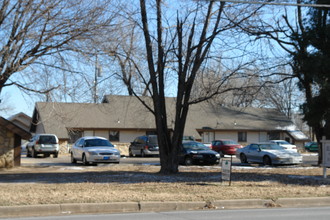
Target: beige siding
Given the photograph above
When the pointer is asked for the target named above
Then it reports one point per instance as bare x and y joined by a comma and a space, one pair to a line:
207, 137
263, 136
88, 133
104, 133
254, 136
226, 135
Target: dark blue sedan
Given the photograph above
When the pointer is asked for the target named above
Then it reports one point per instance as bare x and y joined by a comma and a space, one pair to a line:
193, 152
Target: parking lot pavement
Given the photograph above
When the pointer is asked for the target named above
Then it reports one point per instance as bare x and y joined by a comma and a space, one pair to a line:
64, 160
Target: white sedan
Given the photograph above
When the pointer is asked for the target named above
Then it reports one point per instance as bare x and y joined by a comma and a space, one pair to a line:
94, 150
286, 145
268, 154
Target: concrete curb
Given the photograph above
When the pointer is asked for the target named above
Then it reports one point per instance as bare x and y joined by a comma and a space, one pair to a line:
125, 207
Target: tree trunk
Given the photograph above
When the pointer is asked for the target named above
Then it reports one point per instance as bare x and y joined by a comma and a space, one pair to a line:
168, 150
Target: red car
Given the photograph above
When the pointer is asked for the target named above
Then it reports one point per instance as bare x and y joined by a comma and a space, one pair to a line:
225, 146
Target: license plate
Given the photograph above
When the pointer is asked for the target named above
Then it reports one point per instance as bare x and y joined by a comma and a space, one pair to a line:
106, 158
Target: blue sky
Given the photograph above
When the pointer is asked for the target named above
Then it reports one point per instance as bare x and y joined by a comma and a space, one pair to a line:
18, 101
14, 98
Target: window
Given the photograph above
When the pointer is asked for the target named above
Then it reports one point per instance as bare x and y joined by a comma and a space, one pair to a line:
151, 132
81, 143
74, 135
254, 147
97, 143
49, 139
114, 136
143, 139
242, 136
274, 135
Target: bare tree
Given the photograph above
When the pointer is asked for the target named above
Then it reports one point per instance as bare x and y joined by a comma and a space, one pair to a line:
283, 96
35, 29
6, 107
130, 58
181, 49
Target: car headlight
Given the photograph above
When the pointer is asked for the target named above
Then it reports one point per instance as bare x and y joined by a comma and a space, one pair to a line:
217, 155
282, 158
92, 153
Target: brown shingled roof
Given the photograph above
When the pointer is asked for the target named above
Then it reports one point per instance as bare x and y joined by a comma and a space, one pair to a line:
126, 112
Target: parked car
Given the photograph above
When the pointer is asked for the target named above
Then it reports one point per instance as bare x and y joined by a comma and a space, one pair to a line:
193, 152
144, 146
268, 154
209, 145
286, 145
312, 146
23, 146
225, 146
94, 150
45, 144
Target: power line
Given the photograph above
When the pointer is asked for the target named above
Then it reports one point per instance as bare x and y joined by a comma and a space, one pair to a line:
278, 3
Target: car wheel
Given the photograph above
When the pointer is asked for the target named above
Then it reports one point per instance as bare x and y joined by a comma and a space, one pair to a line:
55, 155
267, 161
84, 160
34, 153
243, 158
188, 161
28, 154
72, 159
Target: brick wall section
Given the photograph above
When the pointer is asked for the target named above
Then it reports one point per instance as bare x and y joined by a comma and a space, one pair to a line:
6, 148
64, 147
122, 147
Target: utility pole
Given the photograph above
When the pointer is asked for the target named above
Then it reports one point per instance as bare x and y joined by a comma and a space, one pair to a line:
97, 74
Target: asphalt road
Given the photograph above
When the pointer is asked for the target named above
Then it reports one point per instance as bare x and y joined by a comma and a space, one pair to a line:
319, 213
64, 160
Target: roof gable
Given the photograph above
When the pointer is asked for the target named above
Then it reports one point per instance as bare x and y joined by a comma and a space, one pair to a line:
14, 128
22, 120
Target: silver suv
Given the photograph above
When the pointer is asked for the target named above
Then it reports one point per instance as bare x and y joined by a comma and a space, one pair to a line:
45, 144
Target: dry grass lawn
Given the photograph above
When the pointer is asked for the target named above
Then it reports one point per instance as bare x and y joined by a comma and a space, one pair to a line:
118, 183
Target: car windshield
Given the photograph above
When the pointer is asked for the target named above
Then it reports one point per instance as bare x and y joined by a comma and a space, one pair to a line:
229, 142
153, 140
270, 147
98, 143
47, 140
194, 146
